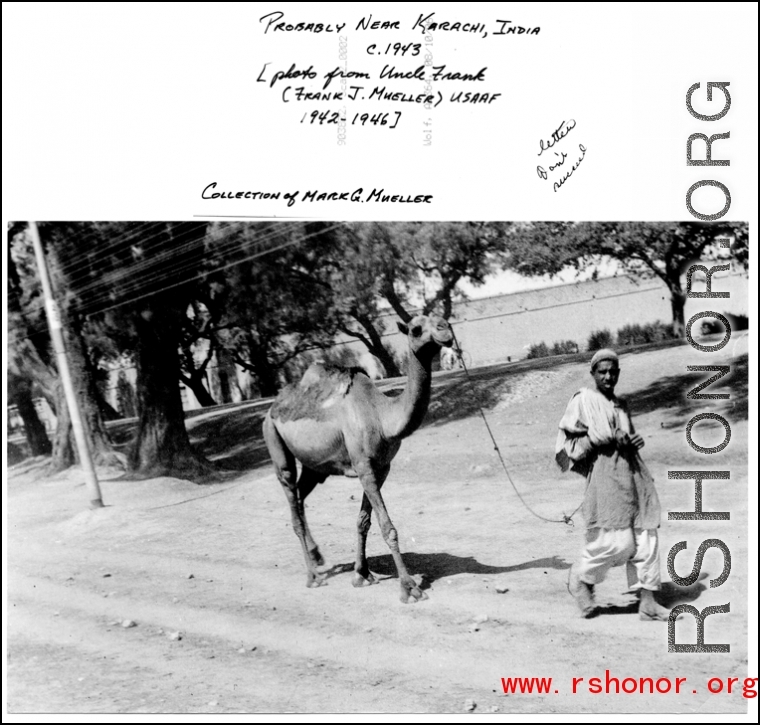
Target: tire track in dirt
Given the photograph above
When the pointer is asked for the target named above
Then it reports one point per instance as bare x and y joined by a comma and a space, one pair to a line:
420, 644
172, 676
379, 656
355, 663
368, 675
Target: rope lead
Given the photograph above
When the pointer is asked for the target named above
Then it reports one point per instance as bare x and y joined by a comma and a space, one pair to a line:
566, 519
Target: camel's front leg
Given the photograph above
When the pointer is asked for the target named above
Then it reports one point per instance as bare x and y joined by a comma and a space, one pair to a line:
371, 482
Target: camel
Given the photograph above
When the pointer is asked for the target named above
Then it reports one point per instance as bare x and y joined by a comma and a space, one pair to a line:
335, 422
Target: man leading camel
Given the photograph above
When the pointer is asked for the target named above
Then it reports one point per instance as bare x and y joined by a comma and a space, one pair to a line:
620, 506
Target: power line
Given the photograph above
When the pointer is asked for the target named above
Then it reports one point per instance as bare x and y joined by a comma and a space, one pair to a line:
150, 259
121, 243
37, 307
133, 282
189, 263
136, 232
219, 269
154, 257
92, 236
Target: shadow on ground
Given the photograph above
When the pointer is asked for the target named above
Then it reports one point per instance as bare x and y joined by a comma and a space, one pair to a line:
670, 392
669, 596
461, 395
233, 441
437, 566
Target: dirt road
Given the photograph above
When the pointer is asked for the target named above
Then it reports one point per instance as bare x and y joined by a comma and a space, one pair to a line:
213, 580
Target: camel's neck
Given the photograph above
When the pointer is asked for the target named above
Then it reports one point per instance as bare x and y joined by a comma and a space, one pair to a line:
407, 411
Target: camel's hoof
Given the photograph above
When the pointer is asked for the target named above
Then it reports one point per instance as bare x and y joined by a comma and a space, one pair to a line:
412, 596
315, 580
363, 581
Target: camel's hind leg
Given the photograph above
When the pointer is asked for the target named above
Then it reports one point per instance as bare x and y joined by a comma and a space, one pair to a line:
296, 491
306, 483
362, 575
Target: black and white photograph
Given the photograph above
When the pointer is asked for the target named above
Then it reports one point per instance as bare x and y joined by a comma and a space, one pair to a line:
218, 366
338, 385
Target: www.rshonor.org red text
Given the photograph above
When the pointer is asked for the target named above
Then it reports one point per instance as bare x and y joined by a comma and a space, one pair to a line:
610, 685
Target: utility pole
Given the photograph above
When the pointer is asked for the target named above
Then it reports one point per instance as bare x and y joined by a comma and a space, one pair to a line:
56, 333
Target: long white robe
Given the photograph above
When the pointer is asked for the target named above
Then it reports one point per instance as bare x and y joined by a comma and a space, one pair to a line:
620, 491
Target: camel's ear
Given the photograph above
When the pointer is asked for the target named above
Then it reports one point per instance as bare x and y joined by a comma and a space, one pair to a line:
403, 328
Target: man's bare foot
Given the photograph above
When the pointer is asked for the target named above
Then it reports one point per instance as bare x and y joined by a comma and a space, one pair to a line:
650, 610
583, 594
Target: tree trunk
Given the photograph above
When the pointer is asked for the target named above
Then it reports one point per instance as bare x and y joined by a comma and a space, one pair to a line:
65, 451
63, 446
195, 383
28, 354
83, 380
24, 360
162, 447
107, 411
226, 377
677, 304
88, 396
125, 396
20, 394
195, 376
265, 372
266, 377
394, 300
377, 348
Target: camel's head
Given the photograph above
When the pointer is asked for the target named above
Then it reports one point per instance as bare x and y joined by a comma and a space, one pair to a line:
427, 332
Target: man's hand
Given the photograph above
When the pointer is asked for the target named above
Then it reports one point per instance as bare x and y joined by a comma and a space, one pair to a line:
625, 441
622, 438
637, 441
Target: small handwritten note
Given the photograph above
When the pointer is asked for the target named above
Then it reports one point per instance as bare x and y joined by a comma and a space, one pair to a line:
559, 160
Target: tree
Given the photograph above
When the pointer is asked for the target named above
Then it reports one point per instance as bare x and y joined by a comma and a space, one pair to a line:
435, 257
404, 267
29, 357
152, 273
57, 242
125, 396
162, 446
357, 263
102, 355
130, 284
264, 299
20, 395
659, 249
197, 326
28, 340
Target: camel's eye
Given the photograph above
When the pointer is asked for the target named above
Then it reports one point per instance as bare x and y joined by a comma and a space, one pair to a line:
417, 330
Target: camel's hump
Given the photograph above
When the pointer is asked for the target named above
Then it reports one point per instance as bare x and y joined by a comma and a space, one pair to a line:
320, 374
318, 390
